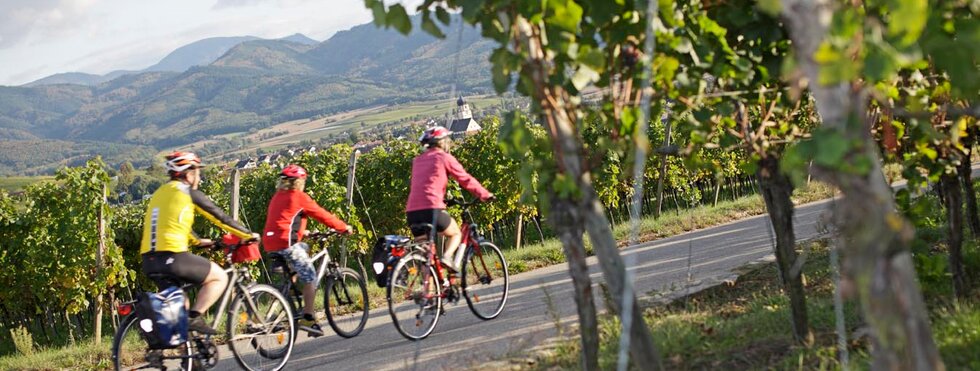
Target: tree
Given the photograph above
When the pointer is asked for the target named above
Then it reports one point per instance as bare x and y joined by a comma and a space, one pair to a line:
842, 59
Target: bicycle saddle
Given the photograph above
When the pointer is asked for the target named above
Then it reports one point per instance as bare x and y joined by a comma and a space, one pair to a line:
164, 280
420, 229
278, 264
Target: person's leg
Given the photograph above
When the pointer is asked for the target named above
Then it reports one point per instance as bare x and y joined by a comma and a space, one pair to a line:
212, 280
211, 289
299, 261
309, 298
453, 238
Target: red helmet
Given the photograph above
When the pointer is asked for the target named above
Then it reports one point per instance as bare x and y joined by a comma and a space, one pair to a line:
433, 134
178, 162
293, 171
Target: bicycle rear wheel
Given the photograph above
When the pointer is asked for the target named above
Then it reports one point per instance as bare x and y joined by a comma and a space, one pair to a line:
130, 352
261, 336
346, 300
414, 300
486, 281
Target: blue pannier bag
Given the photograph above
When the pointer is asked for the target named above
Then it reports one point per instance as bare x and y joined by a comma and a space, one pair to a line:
163, 317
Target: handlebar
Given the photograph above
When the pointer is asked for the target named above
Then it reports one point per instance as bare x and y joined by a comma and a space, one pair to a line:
322, 235
462, 202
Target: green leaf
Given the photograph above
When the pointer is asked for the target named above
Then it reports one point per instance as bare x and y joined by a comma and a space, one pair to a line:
431, 28
591, 57
771, 7
471, 8
443, 15
908, 19
564, 14
881, 62
835, 67
831, 148
398, 18
501, 78
565, 186
378, 9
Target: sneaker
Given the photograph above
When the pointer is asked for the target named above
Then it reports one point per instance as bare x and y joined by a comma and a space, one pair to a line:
197, 324
449, 265
310, 326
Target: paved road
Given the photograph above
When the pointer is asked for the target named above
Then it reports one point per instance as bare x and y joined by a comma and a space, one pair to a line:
462, 339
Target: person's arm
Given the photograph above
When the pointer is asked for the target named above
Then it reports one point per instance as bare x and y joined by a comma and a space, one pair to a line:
465, 180
204, 206
311, 208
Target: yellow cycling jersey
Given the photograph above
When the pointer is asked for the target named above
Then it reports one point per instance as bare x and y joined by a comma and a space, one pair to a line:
170, 216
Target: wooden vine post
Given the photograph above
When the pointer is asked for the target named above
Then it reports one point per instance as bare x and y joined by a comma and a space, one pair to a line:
99, 258
236, 177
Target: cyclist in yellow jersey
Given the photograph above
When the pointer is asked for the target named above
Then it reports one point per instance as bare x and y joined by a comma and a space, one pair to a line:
167, 236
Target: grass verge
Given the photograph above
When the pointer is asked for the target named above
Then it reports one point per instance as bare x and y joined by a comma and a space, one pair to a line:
82, 356
746, 325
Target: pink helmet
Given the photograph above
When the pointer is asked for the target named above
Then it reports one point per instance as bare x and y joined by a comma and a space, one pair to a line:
433, 134
293, 171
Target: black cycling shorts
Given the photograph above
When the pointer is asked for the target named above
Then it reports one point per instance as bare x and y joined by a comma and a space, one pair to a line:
168, 269
442, 220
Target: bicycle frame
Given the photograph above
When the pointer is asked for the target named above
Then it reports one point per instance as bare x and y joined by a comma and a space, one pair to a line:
235, 278
471, 240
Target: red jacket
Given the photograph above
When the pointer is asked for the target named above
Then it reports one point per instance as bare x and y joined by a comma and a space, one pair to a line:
429, 178
285, 222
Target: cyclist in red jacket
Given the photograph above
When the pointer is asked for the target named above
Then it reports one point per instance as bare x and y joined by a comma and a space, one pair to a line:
285, 226
426, 199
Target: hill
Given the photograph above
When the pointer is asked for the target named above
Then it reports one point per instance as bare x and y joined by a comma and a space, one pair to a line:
79, 78
300, 39
198, 53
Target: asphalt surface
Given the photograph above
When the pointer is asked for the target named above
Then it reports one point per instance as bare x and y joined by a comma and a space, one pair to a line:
678, 264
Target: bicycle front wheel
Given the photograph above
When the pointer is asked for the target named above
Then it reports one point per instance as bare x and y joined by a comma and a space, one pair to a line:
261, 330
414, 300
130, 352
485, 280
346, 300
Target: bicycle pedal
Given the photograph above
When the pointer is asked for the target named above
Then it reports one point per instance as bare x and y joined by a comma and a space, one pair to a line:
313, 331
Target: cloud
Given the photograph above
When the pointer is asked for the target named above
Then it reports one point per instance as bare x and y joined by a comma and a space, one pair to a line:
25, 20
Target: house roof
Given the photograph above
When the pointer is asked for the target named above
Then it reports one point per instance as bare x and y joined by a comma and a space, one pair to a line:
464, 125
242, 163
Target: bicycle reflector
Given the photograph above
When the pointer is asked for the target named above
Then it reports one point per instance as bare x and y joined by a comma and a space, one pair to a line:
124, 309
378, 267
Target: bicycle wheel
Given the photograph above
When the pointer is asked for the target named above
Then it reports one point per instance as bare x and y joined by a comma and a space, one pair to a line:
485, 280
414, 300
261, 336
346, 300
130, 352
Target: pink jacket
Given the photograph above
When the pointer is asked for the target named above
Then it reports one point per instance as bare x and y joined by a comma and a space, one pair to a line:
429, 180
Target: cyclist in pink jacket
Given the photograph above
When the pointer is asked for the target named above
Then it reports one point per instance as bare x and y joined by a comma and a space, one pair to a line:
426, 199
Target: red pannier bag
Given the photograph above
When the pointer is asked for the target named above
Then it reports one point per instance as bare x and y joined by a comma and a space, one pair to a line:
247, 252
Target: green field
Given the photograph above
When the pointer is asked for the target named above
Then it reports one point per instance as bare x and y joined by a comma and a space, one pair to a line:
14, 183
435, 110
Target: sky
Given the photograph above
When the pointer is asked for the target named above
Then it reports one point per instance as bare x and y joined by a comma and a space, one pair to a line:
43, 37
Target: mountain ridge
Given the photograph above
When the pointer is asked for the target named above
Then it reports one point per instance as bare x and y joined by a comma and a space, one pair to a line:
197, 53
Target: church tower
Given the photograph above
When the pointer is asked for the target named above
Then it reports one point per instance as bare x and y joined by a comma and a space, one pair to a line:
463, 109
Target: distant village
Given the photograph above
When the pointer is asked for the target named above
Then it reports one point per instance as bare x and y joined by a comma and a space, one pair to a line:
462, 124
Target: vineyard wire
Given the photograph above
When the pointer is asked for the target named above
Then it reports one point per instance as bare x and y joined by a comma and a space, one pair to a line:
639, 168
357, 187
